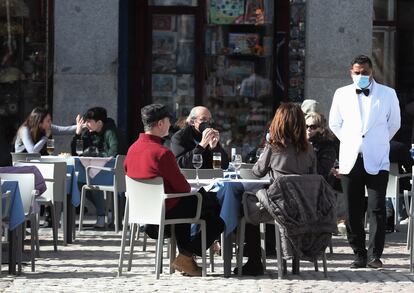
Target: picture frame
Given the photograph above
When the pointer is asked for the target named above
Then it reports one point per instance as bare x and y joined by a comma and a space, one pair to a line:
243, 43
185, 85
163, 85
164, 42
163, 22
165, 63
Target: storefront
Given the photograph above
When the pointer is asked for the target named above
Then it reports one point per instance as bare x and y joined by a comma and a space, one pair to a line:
235, 57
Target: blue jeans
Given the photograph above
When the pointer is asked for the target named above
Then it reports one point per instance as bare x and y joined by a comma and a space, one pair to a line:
98, 200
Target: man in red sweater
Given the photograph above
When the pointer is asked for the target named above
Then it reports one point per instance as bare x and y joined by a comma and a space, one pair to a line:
148, 158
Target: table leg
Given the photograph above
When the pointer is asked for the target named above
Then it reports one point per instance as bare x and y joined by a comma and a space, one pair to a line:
12, 251
227, 254
69, 219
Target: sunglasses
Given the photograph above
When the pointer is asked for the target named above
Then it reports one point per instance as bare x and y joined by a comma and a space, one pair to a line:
312, 126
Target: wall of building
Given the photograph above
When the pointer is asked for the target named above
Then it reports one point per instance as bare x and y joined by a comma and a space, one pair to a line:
336, 31
86, 60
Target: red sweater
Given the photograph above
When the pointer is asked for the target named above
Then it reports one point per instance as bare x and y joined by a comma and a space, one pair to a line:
148, 158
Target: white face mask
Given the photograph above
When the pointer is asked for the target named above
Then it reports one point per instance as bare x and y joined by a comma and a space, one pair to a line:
361, 81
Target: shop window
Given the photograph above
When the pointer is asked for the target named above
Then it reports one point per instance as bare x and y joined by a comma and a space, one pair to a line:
25, 72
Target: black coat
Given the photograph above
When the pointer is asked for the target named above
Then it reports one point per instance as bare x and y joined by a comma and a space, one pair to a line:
326, 154
185, 143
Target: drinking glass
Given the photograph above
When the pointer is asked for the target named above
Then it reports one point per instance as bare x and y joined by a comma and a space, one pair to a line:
237, 163
259, 152
79, 147
50, 146
197, 162
216, 160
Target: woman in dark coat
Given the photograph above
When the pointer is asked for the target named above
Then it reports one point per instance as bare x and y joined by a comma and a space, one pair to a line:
324, 144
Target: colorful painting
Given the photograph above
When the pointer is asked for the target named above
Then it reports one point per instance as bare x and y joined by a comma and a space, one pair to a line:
163, 85
243, 43
226, 11
164, 42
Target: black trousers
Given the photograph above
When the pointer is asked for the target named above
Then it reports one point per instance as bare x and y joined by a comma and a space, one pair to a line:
353, 185
187, 244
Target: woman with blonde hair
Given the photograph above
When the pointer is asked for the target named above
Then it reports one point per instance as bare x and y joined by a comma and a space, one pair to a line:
286, 152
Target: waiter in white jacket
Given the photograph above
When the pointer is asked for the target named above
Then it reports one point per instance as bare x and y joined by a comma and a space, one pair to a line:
365, 116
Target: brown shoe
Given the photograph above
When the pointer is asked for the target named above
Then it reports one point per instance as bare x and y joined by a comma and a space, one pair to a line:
186, 264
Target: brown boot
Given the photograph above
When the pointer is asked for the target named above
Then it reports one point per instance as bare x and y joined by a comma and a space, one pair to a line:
186, 264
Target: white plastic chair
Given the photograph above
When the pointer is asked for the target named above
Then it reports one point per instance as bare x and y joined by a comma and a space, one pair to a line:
146, 205
118, 186
4, 212
24, 157
27, 193
410, 232
393, 189
54, 174
202, 173
281, 263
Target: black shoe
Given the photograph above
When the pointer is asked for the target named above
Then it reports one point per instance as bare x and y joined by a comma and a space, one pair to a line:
375, 263
359, 262
250, 269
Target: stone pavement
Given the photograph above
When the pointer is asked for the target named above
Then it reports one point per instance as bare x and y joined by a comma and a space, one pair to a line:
90, 264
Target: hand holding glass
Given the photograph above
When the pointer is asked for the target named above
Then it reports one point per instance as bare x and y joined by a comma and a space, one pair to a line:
79, 147
50, 146
197, 163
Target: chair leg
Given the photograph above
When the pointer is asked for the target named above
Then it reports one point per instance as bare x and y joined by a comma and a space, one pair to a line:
330, 246
263, 244
280, 261
54, 226
144, 244
315, 264
240, 242
115, 213
158, 257
64, 220
203, 247
32, 240
36, 231
82, 206
131, 245
173, 249
295, 264
325, 269
123, 240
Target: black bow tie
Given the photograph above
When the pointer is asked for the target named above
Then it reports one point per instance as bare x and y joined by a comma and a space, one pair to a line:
365, 91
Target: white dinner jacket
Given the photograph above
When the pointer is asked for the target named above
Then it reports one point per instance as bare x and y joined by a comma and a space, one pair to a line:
373, 138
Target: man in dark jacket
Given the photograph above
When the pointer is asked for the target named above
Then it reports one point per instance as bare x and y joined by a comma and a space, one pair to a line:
101, 133
199, 137
100, 139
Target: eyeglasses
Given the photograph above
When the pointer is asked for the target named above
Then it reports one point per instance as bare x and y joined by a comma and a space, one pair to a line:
312, 126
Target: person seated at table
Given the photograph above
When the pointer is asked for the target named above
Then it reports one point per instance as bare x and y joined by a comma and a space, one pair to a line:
324, 144
147, 158
100, 134
101, 138
286, 152
32, 135
198, 137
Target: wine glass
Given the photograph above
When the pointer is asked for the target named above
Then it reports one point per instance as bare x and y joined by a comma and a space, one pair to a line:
79, 147
237, 161
259, 152
50, 146
197, 162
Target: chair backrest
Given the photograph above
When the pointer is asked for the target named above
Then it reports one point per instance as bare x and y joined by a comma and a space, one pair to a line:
202, 173
26, 187
24, 156
145, 200
54, 174
248, 174
5, 206
119, 175
246, 166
